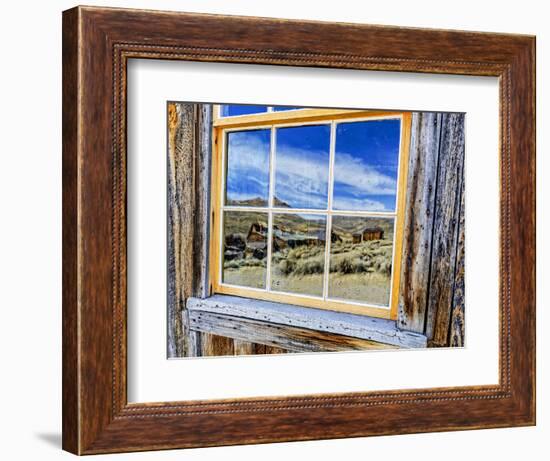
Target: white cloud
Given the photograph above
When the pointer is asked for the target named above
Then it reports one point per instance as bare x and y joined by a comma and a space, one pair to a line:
364, 179
350, 203
303, 176
248, 152
248, 173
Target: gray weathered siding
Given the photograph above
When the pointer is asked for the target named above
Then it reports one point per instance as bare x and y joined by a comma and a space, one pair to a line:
419, 213
189, 137
432, 283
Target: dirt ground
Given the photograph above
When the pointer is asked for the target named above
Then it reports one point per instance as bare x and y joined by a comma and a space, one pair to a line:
253, 277
370, 288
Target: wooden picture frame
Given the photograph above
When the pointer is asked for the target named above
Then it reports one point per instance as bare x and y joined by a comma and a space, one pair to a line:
97, 44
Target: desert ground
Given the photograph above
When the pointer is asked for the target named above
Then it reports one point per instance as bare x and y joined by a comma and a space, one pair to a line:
360, 255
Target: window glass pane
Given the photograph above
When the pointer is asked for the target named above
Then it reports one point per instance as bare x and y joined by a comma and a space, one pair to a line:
365, 165
281, 108
298, 253
361, 259
247, 177
230, 110
245, 248
302, 165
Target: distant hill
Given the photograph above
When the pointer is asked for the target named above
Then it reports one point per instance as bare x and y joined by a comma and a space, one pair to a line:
258, 201
344, 226
348, 225
280, 203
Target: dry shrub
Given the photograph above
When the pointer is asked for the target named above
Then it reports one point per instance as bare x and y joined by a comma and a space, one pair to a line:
310, 266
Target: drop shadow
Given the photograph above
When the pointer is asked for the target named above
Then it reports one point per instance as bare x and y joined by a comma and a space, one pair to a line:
51, 438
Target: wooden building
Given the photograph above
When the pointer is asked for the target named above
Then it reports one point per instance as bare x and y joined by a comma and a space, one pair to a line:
257, 232
372, 233
431, 291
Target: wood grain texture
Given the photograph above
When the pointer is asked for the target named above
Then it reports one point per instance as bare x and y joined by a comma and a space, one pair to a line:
181, 218
280, 336
265, 349
103, 421
450, 174
189, 137
432, 234
203, 159
458, 321
215, 345
340, 323
194, 344
70, 381
419, 212
398, 257
243, 347
218, 346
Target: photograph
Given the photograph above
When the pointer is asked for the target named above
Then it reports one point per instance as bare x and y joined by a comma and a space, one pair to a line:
317, 223
278, 224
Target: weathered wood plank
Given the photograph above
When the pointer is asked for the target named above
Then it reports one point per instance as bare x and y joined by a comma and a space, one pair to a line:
458, 315
241, 347
181, 187
445, 229
281, 336
190, 131
341, 323
194, 344
214, 345
263, 349
418, 230
203, 158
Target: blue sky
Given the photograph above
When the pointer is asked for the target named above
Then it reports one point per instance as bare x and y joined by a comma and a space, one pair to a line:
302, 165
248, 165
365, 168
366, 164
231, 110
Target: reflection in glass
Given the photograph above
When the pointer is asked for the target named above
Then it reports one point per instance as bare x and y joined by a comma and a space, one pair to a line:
247, 179
244, 248
361, 259
365, 165
302, 166
230, 110
298, 253
282, 108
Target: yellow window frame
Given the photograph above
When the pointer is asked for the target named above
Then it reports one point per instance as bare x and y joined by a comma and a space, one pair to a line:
222, 125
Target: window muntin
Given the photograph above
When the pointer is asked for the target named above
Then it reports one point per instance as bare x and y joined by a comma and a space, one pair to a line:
323, 273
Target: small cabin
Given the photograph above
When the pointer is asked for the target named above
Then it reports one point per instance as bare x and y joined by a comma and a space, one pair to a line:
357, 237
257, 233
373, 233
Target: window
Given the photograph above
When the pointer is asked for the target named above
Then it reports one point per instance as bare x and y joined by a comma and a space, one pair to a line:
307, 206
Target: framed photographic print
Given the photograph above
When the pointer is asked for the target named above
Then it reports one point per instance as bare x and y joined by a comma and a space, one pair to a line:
280, 230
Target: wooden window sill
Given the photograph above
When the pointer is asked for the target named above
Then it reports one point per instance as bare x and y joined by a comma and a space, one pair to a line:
351, 325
